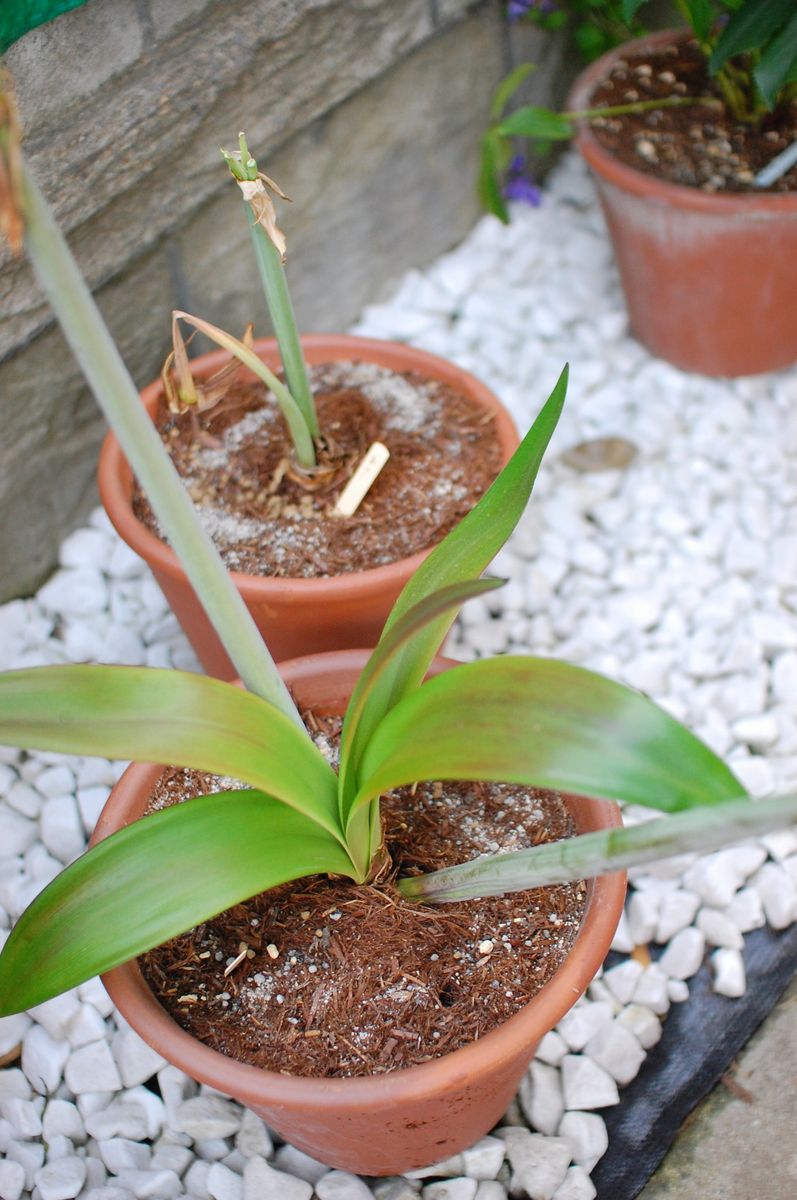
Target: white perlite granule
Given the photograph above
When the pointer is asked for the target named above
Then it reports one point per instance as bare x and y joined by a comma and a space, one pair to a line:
677, 574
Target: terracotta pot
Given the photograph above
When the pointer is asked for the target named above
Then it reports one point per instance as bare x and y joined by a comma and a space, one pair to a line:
709, 278
295, 616
391, 1123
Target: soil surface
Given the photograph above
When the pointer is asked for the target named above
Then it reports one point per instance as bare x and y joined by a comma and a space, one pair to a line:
268, 519
698, 145
322, 977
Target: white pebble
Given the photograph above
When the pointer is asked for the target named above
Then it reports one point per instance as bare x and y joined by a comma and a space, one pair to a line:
622, 941
484, 1158
718, 929
62, 1179
253, 1137
540, 1097
683, 956
17, 833
303, 1166
583, 1022
62, 1119
152, 1185
644, 1024
342, 1185
677, 910
746, 910
616, 1050
643, 916
224, 1184
12, 1179
75, 592
208, 1117
43, 1059
552, 1048
577, 1186
451, 1189
92, 1069
729, 973
781, 844
12, 1031
137, 1062
262, 1182
587, 1085
651, 991
778, 894
587, 1136
23, 1116
30, 1156
86, 1026
622, 979
539, 1164
61, 828
122, 1154
678, 991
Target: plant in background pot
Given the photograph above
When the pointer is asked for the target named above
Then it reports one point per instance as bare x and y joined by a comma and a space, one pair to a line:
689, 135
281, 812
313, 575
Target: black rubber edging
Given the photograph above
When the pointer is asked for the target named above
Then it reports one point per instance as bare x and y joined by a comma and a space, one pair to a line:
701, 1038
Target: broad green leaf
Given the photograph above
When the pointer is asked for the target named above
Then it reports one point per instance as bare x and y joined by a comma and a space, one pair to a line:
169, 717
698, 830
507, 88
368, 705
489, 183
463, 554
543, 723
750, 29
153, 880
700, 15
535, 122
778, 63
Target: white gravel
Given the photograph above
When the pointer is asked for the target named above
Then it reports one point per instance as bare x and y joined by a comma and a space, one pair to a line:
675, 573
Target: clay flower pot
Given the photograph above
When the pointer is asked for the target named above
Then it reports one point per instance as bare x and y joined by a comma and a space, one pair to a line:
709, 278
295, 616
386, 1124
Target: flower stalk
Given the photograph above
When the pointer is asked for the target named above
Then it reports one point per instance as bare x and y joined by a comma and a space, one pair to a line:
269, 248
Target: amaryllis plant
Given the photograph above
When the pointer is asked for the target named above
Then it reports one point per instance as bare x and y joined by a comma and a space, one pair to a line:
526, 720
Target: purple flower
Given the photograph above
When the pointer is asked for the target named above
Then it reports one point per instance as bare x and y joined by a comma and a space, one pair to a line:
523, 190
516, 9
519, 186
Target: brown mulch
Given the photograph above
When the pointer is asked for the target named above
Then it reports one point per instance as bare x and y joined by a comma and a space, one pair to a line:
334, 979
267, 519
697, 145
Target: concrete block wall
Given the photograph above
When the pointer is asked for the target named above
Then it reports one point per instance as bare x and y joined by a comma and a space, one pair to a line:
368, 112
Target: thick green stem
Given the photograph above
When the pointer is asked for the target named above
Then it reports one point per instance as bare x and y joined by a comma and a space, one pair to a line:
116, 394
699, 830
278, 299
638, 106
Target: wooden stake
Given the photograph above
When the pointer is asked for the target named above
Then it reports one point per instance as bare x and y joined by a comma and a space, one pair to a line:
361, 481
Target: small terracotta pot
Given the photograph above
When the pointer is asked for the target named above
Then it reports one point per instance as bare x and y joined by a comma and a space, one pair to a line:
709, 278
384, 1124
295, 616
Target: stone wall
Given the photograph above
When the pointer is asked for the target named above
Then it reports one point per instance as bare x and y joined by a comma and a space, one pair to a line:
367, 112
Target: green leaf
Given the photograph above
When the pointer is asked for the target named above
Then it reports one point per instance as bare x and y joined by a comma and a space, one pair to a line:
507, 88
543, 723
169, 717
462, 555
750, 29
535, 122
153, 880
778, 63
698, 830
700, 15
489, 183
368, 702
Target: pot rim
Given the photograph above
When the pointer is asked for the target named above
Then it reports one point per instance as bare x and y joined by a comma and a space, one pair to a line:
640, 183
255, 1085
114, 475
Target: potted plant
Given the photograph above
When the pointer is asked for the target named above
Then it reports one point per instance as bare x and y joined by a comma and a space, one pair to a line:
680, 130
312, 577
518, 719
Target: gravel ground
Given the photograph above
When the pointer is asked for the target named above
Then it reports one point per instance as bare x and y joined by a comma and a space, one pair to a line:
675, 572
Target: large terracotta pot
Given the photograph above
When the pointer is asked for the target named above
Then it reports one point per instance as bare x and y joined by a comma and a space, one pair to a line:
295, 616
390, 1123
709, 279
